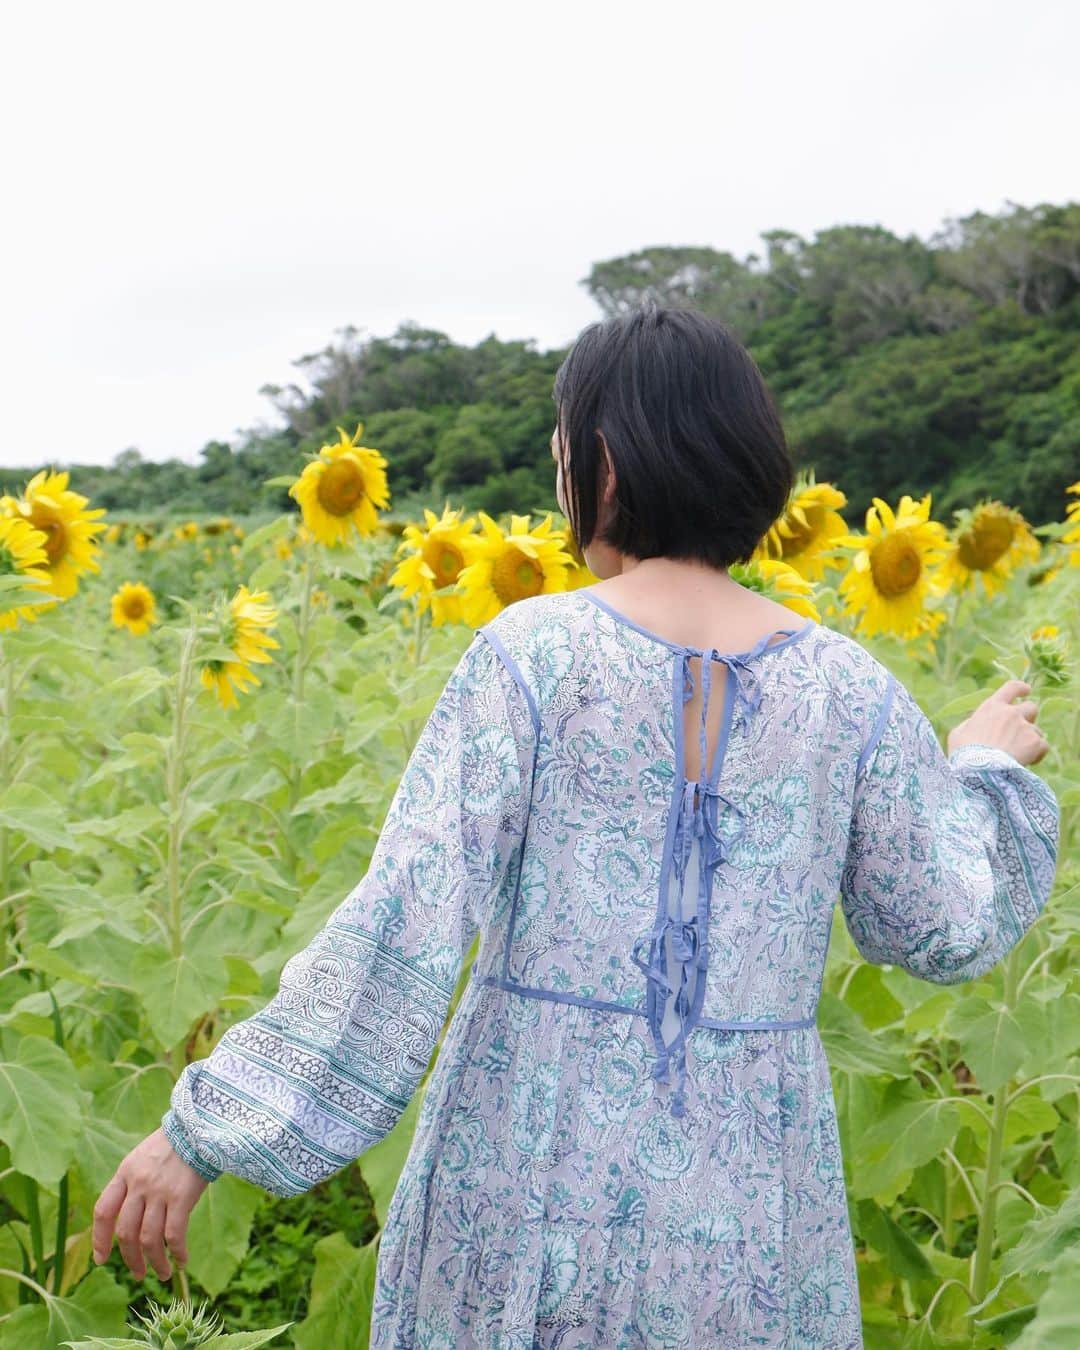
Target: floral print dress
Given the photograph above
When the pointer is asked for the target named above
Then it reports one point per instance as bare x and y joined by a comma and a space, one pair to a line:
629, 1137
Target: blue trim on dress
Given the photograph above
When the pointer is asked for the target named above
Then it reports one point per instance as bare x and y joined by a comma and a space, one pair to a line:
878, 728
603, 1005
512, 666
759, 646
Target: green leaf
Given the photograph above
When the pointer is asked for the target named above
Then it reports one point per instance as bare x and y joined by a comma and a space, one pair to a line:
219, 1231
42, 1108
1056, 1325
1045, 1239
929, 1015
177, 989
868, 996
134, 685
991, 1039
103, 1146
904, 1255
1059, 1038
247, 1340
342, 1293
126, 827
1029, 1115
97, 1307
907, 1136
31, 811
959, 706
1003, 1328
850, 1046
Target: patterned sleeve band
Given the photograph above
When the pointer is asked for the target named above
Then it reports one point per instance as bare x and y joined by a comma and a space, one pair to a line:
325, 1070
951, 858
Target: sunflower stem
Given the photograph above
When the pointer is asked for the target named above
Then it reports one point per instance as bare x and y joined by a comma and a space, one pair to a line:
984, 1244
174, 793
300, 660
5, 778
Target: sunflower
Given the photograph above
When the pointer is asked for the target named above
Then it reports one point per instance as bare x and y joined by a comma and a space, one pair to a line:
340, 490
282, 548
804, 534
49, 505
894, 571
440, 551
1072, 535
189, 530
142, 540
989, 541
23, 553
133, 608
779, 581
243, 622
507, 567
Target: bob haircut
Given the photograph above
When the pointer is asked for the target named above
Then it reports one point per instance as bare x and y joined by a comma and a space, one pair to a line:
701, 463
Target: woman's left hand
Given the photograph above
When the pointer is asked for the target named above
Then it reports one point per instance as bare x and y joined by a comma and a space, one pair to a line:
148, 1201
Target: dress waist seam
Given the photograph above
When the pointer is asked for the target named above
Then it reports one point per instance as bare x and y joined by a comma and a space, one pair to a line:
580, 1000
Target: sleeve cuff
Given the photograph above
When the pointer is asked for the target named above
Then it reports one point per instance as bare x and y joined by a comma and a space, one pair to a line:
174, 1132
974, 755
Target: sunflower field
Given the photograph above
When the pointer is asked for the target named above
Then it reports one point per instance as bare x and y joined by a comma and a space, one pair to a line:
202, 723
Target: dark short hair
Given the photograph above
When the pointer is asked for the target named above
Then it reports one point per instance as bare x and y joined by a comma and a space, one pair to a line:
701, 462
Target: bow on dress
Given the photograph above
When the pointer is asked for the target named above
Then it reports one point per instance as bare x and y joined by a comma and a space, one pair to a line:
689, 937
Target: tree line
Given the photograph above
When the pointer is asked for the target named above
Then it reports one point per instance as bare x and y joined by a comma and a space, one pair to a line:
950, 365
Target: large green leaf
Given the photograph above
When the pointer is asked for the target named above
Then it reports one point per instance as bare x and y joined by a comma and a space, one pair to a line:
1045, 1239
993, 1038
30, 810
850, 1046
1056, 1325
42, 1108
904, 1255
342, 1293
177, 989
104, 1144
905, 1137
219, 1231
97, 1307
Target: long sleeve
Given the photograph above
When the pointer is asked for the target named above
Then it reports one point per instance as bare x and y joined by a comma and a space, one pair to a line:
950, 858
324, 1071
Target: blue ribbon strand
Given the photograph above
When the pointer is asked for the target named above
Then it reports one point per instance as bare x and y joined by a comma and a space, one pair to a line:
689, 937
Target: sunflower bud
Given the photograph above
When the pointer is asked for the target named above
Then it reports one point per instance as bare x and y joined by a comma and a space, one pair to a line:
178, 1326
1047, 653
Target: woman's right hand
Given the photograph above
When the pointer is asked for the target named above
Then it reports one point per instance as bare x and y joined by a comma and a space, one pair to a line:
1006, 725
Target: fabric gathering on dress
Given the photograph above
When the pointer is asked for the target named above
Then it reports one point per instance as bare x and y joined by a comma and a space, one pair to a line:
628, 1138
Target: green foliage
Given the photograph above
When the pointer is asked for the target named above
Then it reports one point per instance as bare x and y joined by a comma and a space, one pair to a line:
161, 858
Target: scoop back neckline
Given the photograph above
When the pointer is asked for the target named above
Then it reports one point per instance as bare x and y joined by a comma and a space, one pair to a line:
762, 645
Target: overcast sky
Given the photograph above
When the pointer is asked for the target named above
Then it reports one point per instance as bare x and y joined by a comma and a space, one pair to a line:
198, 194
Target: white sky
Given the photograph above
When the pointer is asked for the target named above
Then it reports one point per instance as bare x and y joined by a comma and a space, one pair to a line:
199, 193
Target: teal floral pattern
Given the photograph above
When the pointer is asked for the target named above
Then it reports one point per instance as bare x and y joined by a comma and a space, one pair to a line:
628, 1138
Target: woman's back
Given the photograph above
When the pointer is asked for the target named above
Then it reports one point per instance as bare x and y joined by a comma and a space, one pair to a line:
630, 1137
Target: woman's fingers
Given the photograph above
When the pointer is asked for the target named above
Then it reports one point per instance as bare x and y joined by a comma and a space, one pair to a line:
128, 1228
105, 1211
176, 1225
1010, 689
1029, 709
152, 1238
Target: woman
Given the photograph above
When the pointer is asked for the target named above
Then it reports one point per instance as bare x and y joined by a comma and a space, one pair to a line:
646, 796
